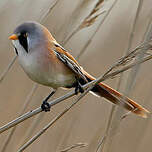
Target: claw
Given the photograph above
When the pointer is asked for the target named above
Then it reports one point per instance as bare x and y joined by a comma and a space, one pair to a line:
45, 106
78, 88
81, 89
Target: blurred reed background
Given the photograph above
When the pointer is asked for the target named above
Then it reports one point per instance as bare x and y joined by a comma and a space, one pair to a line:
98, 33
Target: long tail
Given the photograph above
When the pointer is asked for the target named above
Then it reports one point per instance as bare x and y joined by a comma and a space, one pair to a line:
117, 98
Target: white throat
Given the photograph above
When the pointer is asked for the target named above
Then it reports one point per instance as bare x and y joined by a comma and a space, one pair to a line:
21, 51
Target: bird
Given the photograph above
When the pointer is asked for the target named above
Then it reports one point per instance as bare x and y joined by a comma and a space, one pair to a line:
46, 62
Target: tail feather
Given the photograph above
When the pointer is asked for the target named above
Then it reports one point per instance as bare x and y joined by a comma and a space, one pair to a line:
117, 98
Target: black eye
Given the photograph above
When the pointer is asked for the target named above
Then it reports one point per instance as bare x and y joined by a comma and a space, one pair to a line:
23, 40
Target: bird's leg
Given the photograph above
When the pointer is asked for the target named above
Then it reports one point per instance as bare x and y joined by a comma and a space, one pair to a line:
78, 87
45, 105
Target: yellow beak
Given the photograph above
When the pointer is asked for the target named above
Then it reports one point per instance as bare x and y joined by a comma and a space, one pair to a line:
13, 37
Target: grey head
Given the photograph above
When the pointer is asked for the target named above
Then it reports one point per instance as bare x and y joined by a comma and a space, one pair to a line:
29, 35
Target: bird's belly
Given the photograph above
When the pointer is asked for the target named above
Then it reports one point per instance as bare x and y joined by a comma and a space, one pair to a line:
54, 81
47, 74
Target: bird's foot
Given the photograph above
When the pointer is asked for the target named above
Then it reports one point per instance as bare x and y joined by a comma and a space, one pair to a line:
78, 88
45, 106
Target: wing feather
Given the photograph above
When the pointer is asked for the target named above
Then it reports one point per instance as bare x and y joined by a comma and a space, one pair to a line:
69, 61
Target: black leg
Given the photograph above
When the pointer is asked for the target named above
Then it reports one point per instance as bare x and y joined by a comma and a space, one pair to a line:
78, 87
45, 105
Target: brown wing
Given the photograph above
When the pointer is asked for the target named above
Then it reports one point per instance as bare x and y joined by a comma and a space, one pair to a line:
68, 60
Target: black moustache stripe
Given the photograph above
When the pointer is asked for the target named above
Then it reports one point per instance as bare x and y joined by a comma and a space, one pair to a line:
16, 50
23, 42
